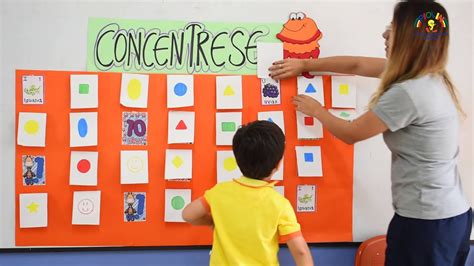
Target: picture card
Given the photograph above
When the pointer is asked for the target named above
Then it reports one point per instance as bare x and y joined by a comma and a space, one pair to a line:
279, 174
280, 189
227, 168
134, 128
31, 129
179, 164
175, 201
33, 89
267, 53
34, 170
180, 127
134, 205
84, 91
180, 90
308, 160
308, 127
83, 129
270, 91
33, 210
275, 117
306, 198
226, 126
134, 90
343, 92
133, 167
346, 114
83, 168
86, 208
312, 87
229, 92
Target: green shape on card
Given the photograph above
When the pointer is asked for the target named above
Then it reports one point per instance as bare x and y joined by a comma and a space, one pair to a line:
177, 202
228, 126
345, 115
83, 88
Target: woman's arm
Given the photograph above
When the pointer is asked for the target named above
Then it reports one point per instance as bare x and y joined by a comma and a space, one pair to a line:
354, 65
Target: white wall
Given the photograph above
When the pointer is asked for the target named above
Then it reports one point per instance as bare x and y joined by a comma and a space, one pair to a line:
35, 34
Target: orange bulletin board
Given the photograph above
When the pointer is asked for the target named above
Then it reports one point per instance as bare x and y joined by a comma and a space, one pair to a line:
332, 221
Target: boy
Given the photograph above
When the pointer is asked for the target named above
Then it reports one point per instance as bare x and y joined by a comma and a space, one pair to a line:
248, 215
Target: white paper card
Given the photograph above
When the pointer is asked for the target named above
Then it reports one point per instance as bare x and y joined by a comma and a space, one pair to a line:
84, 91
32, 129
227, 168
267, 53
226, 126
180, 90
83, 168
270, 91
346, 114
279, 174
275, 117
179, 164
343, 92
134, 167
180, 127
312, 87
86, 208
308, 127
229, 92
309, 161
33, 89
175, 201
134, 90
83, 129
33, 210
280, 189
306, 198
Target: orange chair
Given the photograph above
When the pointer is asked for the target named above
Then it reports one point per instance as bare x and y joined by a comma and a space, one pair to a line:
372, 252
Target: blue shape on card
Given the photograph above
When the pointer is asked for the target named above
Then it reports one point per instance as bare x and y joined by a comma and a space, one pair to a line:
310, 89
141, 204
82, 127
40, 167
308, 157
270, 120
180, 89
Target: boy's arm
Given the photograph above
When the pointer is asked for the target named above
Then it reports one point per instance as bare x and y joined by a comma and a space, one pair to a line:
300, 251
196, 213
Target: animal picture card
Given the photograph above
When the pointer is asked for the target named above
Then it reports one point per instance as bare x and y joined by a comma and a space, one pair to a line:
346, 114
308, 127
227, 168
180, 127
83, 129
133, 167
275, 117
34, 170
343, 92
179, 164
270, 91
31, 129
226, 126
175, 201
229, 92
86, 208
134, 90
33, 210
134, 205
33, 89
267, 53
134, 128
83, 168
312, 87
84, 91
180, 90
306, 198
308, 159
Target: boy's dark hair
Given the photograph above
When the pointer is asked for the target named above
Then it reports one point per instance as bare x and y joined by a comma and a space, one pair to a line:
258, 148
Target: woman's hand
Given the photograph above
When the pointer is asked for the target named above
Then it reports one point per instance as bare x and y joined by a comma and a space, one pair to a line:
307, 105
287, 68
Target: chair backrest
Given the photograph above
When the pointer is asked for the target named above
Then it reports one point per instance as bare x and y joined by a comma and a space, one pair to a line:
372, 252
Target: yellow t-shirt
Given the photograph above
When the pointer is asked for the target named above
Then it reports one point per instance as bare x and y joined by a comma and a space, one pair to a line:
250, 218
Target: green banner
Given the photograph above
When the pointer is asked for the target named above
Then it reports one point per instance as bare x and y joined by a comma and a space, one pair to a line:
122, 45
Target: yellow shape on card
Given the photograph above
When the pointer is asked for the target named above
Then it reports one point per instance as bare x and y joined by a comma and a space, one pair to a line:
134, 89
135, 164
177, 161
229, 91
230, 164
31, 127
33, 207
344, 89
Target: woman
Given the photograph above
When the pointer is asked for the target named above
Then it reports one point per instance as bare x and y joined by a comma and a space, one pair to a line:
417, 110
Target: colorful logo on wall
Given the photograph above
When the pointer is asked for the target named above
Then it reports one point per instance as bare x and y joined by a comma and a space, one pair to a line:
431, 25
